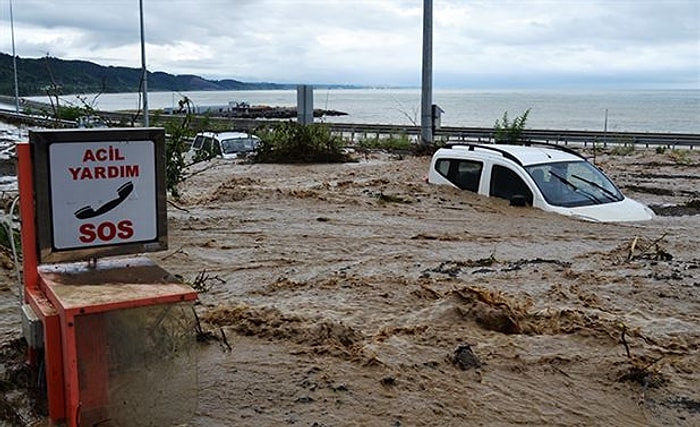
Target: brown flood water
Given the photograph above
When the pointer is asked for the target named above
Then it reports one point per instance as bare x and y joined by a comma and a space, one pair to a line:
346, 291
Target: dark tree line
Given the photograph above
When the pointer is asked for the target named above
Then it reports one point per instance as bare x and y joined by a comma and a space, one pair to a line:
36, 76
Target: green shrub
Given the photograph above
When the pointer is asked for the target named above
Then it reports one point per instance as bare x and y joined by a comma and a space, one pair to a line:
291, 142
177, 143
5, 238
507, 132
70, 113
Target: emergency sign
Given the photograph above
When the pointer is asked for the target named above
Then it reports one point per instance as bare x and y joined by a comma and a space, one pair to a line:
102, 193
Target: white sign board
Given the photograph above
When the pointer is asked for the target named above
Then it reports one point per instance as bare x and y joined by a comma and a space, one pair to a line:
102, 193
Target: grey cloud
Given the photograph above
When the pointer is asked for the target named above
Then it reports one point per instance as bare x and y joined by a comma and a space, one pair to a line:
374, 41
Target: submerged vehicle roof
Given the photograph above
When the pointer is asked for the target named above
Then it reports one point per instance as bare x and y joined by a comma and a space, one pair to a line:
227, 135
525, 155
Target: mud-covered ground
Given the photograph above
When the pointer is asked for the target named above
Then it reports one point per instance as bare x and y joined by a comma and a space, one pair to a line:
359, 295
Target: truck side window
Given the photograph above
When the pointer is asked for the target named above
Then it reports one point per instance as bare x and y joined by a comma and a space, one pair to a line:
465, 174
197, 144
207, 144
443, 167
468, 175
505, 184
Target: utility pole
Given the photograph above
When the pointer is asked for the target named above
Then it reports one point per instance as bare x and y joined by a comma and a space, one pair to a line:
144, 78
14, 59
426, 116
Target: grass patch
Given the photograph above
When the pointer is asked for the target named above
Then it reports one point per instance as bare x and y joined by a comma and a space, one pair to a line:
392, 143
622, 150
680, 157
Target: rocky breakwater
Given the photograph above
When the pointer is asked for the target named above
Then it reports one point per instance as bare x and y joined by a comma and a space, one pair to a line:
269, 112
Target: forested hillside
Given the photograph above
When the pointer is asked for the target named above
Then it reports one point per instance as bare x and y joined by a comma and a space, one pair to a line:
37, 76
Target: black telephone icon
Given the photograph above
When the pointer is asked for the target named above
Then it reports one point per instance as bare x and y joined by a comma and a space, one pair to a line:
123, 192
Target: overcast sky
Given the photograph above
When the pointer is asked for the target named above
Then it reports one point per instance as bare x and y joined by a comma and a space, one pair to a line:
476, 44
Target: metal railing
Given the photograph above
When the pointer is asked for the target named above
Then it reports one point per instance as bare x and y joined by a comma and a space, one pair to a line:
554, 136
359, 131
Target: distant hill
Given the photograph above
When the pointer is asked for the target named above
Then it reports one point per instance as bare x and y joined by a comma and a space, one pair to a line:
35, 76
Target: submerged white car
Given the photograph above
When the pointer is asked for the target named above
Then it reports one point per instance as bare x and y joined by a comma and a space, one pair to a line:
226, 145
550, 178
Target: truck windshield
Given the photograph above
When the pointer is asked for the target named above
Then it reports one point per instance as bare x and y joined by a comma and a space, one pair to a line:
238, 145
572, 184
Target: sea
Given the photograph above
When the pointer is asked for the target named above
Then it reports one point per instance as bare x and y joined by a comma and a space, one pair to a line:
668, 111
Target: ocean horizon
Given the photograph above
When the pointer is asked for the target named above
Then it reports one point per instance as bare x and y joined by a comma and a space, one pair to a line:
668, 111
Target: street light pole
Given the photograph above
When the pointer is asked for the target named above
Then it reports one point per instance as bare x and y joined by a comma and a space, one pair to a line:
14, 59
144, 77
426, 117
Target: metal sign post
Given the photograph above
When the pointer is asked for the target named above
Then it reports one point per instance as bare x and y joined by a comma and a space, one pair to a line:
305, 104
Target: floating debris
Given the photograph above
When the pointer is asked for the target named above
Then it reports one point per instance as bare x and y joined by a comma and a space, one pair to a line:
465, 358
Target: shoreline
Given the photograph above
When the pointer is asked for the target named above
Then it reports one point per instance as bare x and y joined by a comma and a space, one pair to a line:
669, 111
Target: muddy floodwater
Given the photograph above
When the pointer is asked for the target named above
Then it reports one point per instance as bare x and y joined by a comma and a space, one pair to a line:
359, 295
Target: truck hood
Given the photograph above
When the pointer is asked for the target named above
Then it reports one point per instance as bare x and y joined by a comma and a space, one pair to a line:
627, 210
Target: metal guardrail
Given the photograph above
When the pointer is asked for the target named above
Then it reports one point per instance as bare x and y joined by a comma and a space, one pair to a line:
359, 131
563, 137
